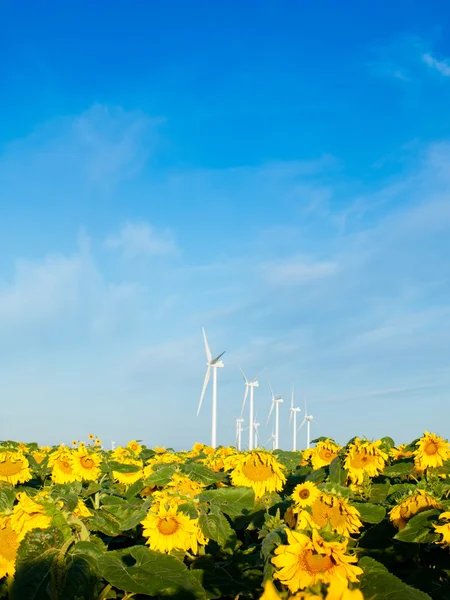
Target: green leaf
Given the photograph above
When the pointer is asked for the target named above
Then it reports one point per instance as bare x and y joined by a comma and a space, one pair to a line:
378, 584
128, 516
271, 541
200, 473
289, 459
444, 469
387, 442
317, 476
142, 571
105, 522
333, 488
34, 564
82, 574
370, 513
379, 492
7, 496
124, 468
161, 476
337, 472
232, 501
419, 528
216, 527
399, 469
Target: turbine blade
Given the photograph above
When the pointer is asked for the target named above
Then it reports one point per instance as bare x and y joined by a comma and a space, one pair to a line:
258, 373
213, 362
271, 390
207, 350
205, 385
290, 416
303, 422
243, 375
245, 398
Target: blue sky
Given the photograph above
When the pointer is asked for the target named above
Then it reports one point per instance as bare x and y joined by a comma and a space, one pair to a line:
278, 173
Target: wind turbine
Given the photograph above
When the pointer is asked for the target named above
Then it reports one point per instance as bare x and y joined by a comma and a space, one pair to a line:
214, 364
239, 421
255, 427
273, 437
276, 401
293, 415
307, 419
249, 385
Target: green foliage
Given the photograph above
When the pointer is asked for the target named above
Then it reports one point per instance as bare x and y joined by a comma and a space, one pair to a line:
103, 554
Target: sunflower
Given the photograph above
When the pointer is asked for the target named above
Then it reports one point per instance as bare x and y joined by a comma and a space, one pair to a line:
324, 453
38, 456
338, 590
305, 561
60, 462
128, 479
410, 506
9, 545
258, 469
400, 452
364, 457
270, 591
343, 518
81, 510
85, 464
134, 446
91, 436
306, 457
431, 451
185, 486
167, 529
14, 467
444, 529
27, 515
305, 494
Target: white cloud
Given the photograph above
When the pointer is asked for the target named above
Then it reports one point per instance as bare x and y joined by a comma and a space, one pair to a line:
440, 65
142, 239
297, 271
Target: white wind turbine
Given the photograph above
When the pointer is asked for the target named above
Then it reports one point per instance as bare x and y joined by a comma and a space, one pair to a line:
293, 416
214, 364
273, 437
308, 419
276, 401
250, 385
255, 427
239, 422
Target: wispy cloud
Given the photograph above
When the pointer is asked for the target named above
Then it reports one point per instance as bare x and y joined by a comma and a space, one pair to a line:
297, 271
442, 66
142, 239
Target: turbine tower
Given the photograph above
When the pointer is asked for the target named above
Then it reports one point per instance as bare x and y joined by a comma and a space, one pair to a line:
249, 385
239, 422
308, 419
276, 401
293, 416
214, 364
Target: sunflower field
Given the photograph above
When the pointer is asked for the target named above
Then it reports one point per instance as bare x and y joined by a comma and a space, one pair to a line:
365, 521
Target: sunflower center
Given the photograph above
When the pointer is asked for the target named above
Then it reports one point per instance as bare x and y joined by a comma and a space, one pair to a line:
86, 462
256, 472
316, 563
431, 448
9, 467
168, 525
64, 465
360, 461
8, 543
304, 494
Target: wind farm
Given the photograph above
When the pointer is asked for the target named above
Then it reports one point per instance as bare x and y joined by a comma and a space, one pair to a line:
275, 408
